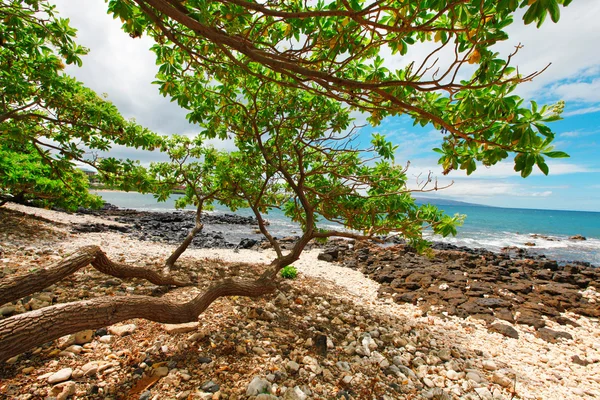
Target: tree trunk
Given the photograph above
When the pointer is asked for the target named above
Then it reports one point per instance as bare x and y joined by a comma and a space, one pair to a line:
24, 331
15, 287
184, 245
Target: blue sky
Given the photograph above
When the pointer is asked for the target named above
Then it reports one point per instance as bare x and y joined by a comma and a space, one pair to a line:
123, 68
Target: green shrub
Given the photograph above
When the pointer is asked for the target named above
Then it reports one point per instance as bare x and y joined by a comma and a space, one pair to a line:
289, 272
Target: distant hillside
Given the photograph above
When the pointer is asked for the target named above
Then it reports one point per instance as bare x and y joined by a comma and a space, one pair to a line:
445, 202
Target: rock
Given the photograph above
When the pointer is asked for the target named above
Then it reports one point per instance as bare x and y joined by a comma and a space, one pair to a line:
106, 338
146, 395
63, 390
444, 355
474, 376
210, 387
489, 365
122, 330
258, 385
453, 375
321, 345
75, 349
484, 393
294, 393
180, 328
84, 337
578, 237
552, 336
60, 376
161, 371
7, 310
259, 351
578, 360
204, 360
505, 330
293, 366
531, 318
90, 368
501, 380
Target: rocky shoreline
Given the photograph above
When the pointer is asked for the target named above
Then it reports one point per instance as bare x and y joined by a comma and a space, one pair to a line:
330, 334
512, 286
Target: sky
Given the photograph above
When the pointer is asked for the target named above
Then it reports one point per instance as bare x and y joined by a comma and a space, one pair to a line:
124, 68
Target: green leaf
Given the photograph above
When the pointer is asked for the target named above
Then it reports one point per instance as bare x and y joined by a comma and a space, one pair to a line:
556, 154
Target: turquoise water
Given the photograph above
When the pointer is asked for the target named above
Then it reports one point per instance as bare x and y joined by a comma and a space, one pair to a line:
488, 227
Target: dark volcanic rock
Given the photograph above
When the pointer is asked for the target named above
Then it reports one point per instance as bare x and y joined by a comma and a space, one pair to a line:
172, 227
479, 283
552, 336
505, 330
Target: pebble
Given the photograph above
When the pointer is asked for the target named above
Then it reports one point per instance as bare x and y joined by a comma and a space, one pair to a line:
489, 365
122, 330
257, 385
83, 337
180, 328
60, 376
161, 371
484, 393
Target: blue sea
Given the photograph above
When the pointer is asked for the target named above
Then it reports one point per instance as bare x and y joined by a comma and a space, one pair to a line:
485, 227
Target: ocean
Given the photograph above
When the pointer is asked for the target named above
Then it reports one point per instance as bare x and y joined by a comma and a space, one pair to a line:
491, 228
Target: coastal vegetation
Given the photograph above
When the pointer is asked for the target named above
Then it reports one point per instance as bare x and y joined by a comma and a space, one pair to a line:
279, 79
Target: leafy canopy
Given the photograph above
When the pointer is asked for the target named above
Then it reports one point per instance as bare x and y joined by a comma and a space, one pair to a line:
337, 49
47, 118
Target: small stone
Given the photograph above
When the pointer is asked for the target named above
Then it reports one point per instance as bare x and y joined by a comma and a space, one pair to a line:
106, 339
173, 329
27, 370
489, 365
453, 375
445, 355
474, 376
60, 376
294, 393
146, 395
258, 385
505, 330
501, 380
259, 351
90, 368
204, 360
428, 382
122, 330
293, 366
210, 387
552, 336
337, 321
578, 360
183, 395
63, 390
161, 371
75, 349
7, 310
484, 393
83, 337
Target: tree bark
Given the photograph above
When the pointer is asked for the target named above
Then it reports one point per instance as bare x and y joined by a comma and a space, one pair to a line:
184, 245
24, 331
15, 287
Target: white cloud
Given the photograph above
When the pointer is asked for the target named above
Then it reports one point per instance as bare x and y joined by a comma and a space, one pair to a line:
588, 92
504, 169
581, 111
479, 189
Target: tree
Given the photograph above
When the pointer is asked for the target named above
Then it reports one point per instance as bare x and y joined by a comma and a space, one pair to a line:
47, 118
287, 110
337, 49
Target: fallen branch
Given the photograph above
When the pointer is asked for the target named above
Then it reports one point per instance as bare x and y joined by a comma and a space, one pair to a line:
16, 287
24, 331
